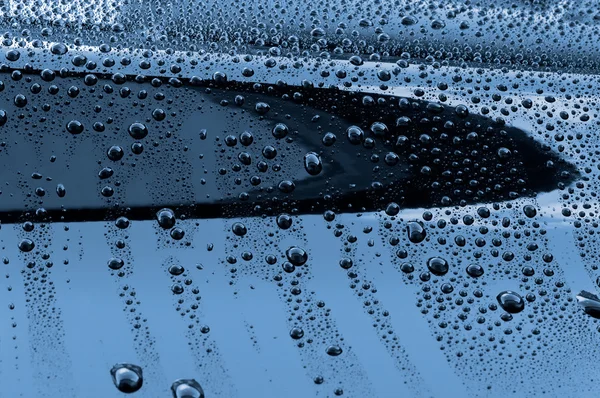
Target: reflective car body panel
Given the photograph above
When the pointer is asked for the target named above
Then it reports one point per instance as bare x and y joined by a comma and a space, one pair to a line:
259, 199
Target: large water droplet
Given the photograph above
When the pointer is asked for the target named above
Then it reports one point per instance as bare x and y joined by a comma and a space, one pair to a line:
13, 55
438, 266
416, 232
284, 221
296, 333
296, 256
166, 218
75, 127
312, 163
529, 211
334, 350
176, 270
590, 303
239, 229
138, 131
115, 263
187, 388
392, 209
511, 302
58, 49
115, 153
127, 377
280, 130
355, 135
475, 270
26, 245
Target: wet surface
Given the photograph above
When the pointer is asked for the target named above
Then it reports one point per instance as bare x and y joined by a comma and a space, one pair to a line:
411, 152
271, 199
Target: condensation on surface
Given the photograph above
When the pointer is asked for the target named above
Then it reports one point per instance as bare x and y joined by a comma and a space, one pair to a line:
362, 199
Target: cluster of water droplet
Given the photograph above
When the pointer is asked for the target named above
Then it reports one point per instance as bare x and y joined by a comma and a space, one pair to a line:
265, 112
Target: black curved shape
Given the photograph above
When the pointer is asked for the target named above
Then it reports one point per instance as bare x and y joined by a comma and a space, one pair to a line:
413, 152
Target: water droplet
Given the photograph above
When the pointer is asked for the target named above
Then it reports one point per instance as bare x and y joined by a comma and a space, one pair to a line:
115, 153
356, 60
284, 221
329, 139
246, 138
590, 303
511, 302
384, 75
176, 288
177, 233
296, 256
355, 135
317, 32
262, 108
61, 191
288, 267
504, 153
407, 268
346, 263
286, 186
176, 270
58, 49
26, 245
138, 131
280, 130
220, 77
297, 333
166, 218
475, 270
416, 232
438, 266
115, 263
187, 388
75, 127
312, 163
122, 222
392, 209
379, 129
529, 211
127, 377
13, 55
239, 229
334, 350
28, 226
